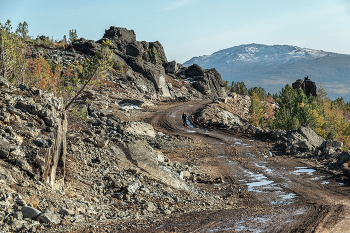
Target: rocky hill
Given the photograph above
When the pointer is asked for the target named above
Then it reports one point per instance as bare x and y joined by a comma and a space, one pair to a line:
117, 169
271, 67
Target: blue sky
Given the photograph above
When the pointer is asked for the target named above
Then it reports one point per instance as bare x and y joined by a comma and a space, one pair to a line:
188, 28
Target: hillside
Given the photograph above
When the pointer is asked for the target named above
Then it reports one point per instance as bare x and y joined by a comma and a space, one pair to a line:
121, 158
271, 67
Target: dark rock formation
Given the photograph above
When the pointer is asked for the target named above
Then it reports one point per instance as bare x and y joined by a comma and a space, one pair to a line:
125, 41
308, 86
143, 57
208, 82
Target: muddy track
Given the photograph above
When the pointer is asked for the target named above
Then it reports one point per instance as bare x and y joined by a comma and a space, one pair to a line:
280, 194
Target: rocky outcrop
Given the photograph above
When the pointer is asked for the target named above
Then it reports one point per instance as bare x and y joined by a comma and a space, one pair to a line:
308, 86
143, 57
152, 72
208, 82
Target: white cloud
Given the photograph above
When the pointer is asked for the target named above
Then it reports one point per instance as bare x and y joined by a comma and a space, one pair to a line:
178, 4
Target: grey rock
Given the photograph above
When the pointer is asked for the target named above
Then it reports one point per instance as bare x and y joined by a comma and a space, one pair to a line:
330, 146
149, 206
12, 109
4, 147
132, 188
65, 211
310, 135
19, 200
181, 174
89, 47
45, 113
171, 67
43, 142
4, 82
208, 82
30, 212
18, 215
51, 121
155, 73
48, 217
23, 164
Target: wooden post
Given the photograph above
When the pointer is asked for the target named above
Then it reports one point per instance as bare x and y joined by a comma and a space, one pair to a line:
57, 153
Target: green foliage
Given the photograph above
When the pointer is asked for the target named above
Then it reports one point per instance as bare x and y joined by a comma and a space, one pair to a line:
227, 85
73, 36
11, 54
155, 56
239, 88
22, 30
118, 66
80, 114
295, 109
95, 67
259, 91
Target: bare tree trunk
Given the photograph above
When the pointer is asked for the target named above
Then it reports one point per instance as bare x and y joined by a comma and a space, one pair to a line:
55, 152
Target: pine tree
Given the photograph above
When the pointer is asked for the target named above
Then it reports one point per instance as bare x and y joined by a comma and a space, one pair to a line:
22, 30
73, 36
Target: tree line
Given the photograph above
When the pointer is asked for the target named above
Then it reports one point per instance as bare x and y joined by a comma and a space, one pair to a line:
19, 66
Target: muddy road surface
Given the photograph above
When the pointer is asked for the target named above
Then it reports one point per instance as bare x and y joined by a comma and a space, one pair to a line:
264, 192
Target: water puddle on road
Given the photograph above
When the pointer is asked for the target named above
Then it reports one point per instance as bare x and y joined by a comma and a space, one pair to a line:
304, 170
254, 224
266, 189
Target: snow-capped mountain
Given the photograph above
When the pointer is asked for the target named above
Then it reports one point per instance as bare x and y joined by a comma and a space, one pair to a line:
273, 66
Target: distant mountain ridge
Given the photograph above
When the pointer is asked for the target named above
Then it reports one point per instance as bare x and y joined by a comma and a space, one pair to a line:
273, 66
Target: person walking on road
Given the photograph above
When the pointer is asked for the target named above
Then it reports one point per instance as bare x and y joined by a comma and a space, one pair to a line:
183, 117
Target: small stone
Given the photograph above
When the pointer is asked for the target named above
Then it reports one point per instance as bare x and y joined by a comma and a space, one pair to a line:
65, 211
42, 142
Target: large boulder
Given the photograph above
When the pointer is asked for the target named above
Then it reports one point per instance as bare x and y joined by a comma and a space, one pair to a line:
329, 146
137, 128
154, 73
89, 47
208, 82
313, 139
171, 67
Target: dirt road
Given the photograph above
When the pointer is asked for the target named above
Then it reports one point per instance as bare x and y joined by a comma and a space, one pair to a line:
265, 193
